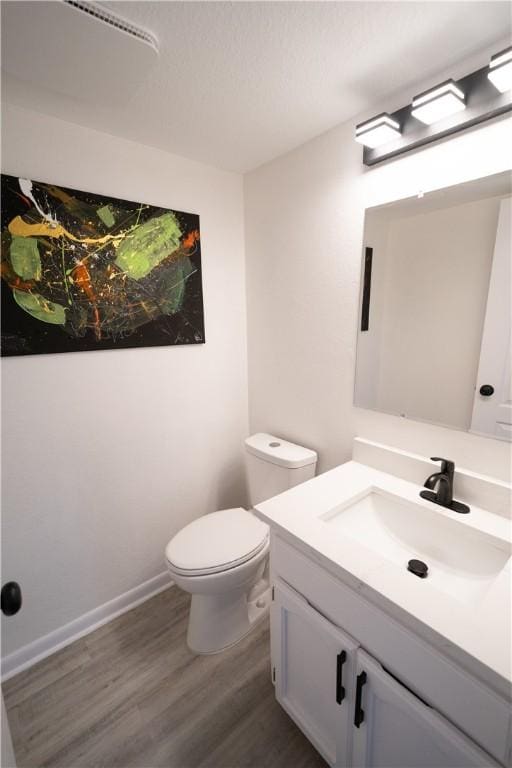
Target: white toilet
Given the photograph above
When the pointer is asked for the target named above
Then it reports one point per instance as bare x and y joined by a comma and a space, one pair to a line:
222, 558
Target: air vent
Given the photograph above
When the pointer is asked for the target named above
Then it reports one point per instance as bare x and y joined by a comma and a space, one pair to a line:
76, 49
114, 21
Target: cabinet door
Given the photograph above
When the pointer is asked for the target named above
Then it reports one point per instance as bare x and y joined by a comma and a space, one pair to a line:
314, 673
394, 729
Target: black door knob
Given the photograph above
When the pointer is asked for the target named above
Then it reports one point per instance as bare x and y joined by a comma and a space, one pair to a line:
11, 598
486, 390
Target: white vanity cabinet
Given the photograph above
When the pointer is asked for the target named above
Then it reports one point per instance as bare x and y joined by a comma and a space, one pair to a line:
403, 706
392, 727
314, 664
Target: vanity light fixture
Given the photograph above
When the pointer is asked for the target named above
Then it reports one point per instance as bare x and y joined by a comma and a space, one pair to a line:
437, 103
500, 70
379, 130
441, 111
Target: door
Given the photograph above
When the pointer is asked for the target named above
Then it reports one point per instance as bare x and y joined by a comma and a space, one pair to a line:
10, 605
395, 729
314, 664
8, 759
492, 406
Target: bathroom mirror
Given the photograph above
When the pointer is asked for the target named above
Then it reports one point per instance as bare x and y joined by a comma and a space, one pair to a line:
434, 326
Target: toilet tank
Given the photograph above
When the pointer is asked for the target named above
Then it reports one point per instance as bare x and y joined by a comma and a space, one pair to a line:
273, 465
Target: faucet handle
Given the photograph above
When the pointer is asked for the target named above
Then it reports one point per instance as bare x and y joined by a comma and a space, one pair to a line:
446, 464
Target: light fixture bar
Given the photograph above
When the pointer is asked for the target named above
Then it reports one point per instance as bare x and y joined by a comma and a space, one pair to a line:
466, 102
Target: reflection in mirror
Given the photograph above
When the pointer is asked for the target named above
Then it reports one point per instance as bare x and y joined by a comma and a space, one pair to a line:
434, 330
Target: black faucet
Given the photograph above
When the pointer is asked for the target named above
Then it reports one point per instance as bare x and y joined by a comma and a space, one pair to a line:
444, 481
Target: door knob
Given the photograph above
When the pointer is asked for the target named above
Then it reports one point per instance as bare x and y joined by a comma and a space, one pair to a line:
11, 598
486, 390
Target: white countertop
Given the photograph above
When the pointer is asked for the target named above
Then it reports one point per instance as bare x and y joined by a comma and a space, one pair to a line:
481, 629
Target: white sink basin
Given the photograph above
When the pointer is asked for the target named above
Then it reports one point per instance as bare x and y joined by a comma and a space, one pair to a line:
462, 562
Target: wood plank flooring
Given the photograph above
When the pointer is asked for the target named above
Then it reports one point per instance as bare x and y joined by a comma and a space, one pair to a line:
131, 695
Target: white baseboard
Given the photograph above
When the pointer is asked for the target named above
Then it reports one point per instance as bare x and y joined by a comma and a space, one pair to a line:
44, 646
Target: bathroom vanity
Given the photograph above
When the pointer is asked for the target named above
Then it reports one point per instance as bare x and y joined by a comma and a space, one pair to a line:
377, 666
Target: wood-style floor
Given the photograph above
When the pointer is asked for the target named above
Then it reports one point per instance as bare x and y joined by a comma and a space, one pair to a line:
131, 694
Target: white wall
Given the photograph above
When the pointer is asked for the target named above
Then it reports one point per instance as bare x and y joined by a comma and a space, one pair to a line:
107, 454
431, 295
304, 228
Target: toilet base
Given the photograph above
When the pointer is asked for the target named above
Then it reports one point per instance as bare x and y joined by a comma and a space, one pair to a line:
217, 622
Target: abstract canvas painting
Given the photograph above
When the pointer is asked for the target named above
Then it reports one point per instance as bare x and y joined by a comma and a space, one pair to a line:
82, 271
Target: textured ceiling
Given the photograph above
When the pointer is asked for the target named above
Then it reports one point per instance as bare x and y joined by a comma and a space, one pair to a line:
237, 84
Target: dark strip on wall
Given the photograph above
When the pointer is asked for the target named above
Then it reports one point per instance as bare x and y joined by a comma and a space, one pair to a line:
367, 284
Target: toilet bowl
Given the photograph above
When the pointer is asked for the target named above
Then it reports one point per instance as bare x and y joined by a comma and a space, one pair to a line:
221, 559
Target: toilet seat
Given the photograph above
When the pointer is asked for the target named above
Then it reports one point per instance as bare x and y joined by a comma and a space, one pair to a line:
216, 542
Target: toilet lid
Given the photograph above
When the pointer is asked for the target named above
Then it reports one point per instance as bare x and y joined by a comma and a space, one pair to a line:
217, 541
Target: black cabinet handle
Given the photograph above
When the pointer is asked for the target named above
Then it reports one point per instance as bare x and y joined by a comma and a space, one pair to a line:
340, 690
359, 711
486, 390
11, 598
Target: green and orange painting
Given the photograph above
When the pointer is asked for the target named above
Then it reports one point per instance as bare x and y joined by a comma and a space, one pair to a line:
82, 271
